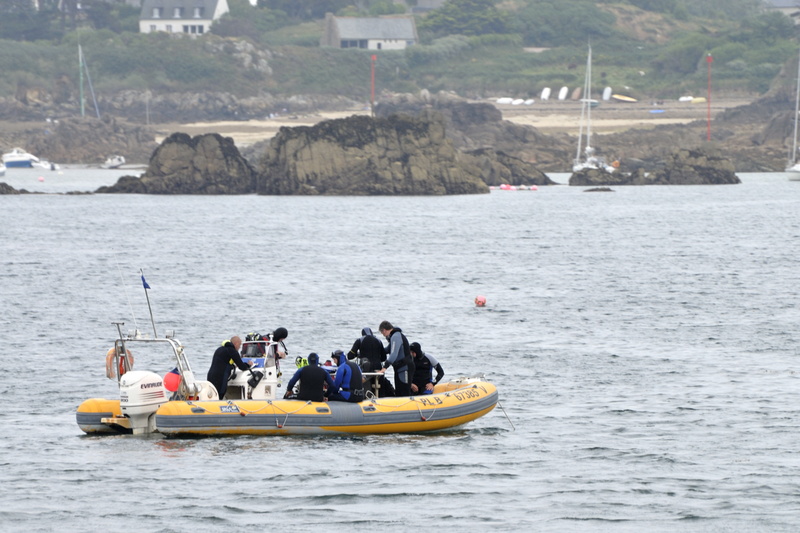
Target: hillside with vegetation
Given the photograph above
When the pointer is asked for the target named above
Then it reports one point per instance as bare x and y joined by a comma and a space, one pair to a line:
476, 48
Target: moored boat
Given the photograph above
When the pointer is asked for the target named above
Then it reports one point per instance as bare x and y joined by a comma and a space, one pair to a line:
18, 157
180, 405
115, 161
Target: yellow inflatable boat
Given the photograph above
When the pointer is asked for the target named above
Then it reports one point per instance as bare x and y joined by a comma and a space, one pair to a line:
412, 414
179, 405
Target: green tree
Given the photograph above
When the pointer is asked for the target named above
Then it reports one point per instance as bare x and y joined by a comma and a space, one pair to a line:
558, 23
244, 20
466, 17
305, 9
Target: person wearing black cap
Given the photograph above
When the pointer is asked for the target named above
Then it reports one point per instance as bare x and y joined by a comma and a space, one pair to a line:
423, 382
312, 379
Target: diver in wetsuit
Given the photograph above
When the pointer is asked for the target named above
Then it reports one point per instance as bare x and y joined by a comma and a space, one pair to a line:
312, 378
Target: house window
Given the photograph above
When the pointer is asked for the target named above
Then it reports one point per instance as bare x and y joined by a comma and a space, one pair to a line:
198, 12
169, 28
157, 12
186, 29
152, 27
178, 13
380, 45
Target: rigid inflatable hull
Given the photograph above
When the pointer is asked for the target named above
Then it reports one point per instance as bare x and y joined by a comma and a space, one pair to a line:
295, 417
91, 412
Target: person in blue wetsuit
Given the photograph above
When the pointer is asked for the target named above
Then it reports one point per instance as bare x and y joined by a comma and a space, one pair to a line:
399, 358
225, 357
348, 380
312, 379
423, 382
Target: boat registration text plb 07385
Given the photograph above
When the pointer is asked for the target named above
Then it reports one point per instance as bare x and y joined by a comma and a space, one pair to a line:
228, 409
466, 395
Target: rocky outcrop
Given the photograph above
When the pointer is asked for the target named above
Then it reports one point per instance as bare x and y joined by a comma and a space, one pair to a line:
362, 155
699, 166
86, 141
695, 167
5, 188
206, 164
92, 140
473, 126
498, 168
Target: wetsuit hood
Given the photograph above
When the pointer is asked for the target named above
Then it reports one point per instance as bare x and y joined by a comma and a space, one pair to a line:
366, 331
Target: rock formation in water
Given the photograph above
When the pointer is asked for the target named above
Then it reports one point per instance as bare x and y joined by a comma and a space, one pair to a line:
473, 126
700, 166
86, 140
5, 188
206, 164
498, 168
362, 155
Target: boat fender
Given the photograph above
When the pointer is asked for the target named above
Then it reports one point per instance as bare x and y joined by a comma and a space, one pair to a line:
110, 371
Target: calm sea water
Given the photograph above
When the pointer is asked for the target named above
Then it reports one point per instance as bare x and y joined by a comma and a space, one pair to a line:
644, 344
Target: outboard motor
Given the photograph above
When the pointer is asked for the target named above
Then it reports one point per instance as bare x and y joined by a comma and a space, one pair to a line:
141, 393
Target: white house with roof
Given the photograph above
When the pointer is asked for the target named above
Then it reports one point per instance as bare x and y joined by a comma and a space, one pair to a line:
193, 17
381, 33
790, 8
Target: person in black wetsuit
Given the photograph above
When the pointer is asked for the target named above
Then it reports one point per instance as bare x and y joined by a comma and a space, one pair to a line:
348, 380
399, 358
368, 350
221, 366
422, 382
312, 378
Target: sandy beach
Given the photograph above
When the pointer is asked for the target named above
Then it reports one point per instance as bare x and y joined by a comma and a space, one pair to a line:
549, 116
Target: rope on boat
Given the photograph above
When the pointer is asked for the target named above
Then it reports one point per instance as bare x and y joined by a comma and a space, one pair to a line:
423, 417
507, 417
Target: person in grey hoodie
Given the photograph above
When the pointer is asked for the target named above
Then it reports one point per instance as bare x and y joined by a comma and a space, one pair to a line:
399, 358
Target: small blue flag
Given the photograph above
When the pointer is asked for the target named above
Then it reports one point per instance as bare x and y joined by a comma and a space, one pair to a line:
146, 286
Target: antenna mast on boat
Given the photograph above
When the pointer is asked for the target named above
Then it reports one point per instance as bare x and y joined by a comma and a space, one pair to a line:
793, 157
152, 321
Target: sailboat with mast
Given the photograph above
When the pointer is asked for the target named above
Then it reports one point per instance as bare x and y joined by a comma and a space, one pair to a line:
83, 67
585, 158
794, 164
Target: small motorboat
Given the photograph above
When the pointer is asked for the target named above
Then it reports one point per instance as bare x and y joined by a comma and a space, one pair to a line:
18, 157
45, 165
178, 404
115, 161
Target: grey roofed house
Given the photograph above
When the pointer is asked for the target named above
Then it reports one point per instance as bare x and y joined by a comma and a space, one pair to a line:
790, 8
193, 17
379, 33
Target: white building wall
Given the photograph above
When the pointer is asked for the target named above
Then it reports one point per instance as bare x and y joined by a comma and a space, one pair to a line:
386, 44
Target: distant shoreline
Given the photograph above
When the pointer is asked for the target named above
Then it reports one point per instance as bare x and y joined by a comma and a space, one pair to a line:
549, 117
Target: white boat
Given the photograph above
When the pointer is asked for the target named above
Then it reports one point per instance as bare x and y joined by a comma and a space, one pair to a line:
115, 161
585, 158
794, 164
18, 157
45, 165
2, 169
